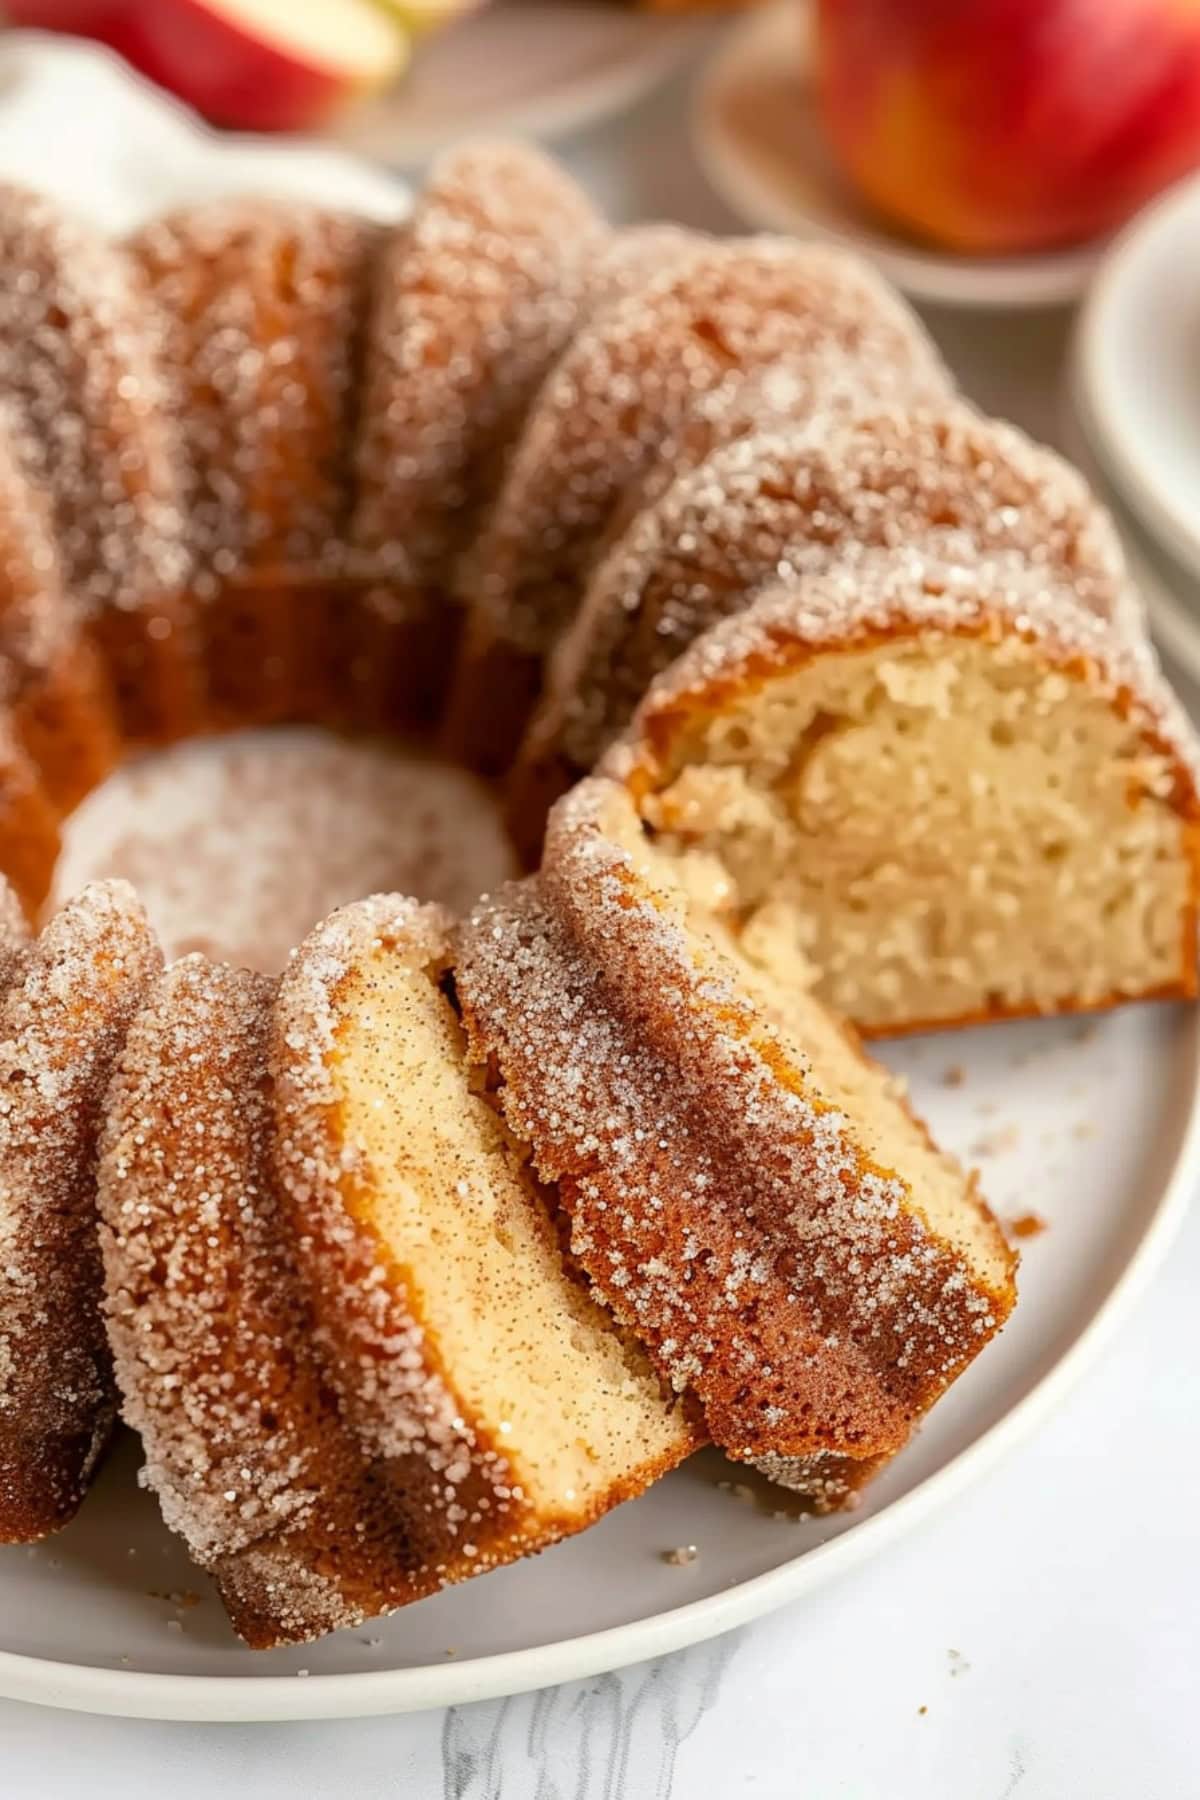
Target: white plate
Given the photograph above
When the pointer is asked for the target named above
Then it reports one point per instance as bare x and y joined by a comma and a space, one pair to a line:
758, 135
537, 69
87, 1619
1138, 368
1092, 1126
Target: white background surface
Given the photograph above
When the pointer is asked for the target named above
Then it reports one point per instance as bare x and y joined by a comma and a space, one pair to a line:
1049, 1623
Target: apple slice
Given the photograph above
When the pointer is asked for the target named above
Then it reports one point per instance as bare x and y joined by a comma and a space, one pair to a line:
255, 65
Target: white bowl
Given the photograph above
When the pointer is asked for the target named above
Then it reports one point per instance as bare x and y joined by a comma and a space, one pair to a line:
758, 136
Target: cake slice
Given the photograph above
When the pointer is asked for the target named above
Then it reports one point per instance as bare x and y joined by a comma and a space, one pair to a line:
340, 1312
746, 1191
494, 1394
939, 793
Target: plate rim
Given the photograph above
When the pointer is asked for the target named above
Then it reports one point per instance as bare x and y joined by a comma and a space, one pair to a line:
578, 103
1133, 477
1054, 278
1173, 620
246, 1698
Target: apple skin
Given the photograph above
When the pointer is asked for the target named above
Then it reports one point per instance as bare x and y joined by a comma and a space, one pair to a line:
231, 78
1007, 125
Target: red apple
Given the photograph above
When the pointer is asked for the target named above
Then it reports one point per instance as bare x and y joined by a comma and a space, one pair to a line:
1005, 125
256, 65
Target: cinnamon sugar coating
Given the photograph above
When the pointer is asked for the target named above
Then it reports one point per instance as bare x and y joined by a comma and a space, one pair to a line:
890, 594
94, 428
654, 378
302, 1430
720, 1204
779, 504
244, 1445
66, 1004
477, 294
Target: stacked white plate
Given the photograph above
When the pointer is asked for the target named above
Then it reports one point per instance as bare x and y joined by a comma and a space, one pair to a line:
1135, 407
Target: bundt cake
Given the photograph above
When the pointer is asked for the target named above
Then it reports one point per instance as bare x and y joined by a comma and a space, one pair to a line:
339, 1307
426, 1254
648, 382
745, 1191
65, 1001
943, 480
940, 793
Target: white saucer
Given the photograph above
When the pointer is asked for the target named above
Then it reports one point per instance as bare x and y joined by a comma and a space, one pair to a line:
758, 136
1137, 369
535, 69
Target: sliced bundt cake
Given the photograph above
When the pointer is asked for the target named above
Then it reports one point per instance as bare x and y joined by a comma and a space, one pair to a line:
341, 1315
938, 792
66, 999
745, 1191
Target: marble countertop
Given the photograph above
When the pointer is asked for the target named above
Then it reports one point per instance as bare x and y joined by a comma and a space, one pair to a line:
1040, 1639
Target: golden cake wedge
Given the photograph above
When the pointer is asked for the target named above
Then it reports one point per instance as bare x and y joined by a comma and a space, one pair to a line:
746, 1191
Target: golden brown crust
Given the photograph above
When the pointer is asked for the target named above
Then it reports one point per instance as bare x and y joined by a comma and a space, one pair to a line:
63, 1017
782, 505
243, 1443
262, 310
29, 838
670, 358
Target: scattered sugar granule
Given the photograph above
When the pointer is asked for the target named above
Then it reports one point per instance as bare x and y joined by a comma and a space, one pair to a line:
680, 1556
958, 1662
996, 1143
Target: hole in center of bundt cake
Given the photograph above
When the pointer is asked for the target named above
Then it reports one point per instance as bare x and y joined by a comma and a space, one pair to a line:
238, 844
